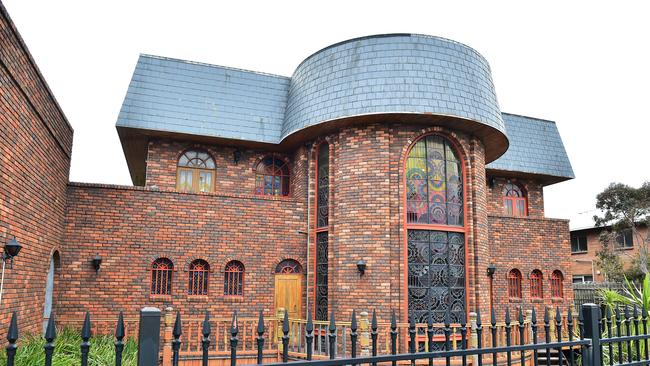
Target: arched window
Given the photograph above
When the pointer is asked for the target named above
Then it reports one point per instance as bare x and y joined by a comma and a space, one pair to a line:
272, 177
161, 276
536, 284
557, 290
288, 266
514, 200
198, 277
195, 172
436, 262
233, 281
514, 284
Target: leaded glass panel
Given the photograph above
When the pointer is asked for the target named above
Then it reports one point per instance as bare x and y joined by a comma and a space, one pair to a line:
322, 263
434, 183
436, 275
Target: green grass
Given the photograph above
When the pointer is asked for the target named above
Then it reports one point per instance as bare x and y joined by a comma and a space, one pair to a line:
66, 350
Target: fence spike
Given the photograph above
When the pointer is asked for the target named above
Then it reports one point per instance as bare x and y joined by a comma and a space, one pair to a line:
119, 328
260, 323
206, 329
533, 317
12, 333
119, 336
353, 335
644, 312
234, 329
310, 335
463, 321
635, 312
50, 331
393, 320
50, 335
478, 318
332, 336
373, 323
546, 316
521, 316
507, 319
412, 335
493, 318
85, 337
12, 337
447, 319
178, 326
558, 317
234, 326
569, 317
285, 323
332, 327
85, 329
626, 312
353, 323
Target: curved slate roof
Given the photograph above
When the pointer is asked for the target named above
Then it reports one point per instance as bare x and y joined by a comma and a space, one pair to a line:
436, 80
395, 73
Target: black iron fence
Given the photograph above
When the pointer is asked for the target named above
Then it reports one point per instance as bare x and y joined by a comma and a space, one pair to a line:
589, 292
617, 338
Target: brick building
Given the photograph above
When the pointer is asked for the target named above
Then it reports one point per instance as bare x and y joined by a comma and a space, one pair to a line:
381, 175
585, 243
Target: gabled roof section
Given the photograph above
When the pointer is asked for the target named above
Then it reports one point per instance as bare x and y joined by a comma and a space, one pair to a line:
192, 98
536, 148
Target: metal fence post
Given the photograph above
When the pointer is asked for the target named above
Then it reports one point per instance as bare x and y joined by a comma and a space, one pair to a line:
591, 317
149, 337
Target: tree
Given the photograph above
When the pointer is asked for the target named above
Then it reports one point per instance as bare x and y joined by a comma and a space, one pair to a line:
626, 208
608, 260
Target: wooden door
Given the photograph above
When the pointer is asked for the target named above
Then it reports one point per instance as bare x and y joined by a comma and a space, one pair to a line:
288, 294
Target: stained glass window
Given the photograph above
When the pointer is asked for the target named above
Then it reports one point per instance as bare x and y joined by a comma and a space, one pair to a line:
233, 282
161, 276
198, 278
196, 172
272, 177
322, 264
434, 183
514, 200
322, 222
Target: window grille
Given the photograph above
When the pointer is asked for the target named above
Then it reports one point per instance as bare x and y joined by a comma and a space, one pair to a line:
233, 283
198, 278
161, 276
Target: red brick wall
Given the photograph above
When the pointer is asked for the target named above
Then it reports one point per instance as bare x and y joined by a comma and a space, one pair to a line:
131, 226
528, 244
35, 147
534, 194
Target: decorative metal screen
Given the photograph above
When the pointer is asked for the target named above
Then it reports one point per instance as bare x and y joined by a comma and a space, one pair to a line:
436, 275
322, 226
322, 206
161, 276
321, 275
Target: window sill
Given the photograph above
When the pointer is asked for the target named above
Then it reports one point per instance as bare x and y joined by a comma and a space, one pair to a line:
197, 298
557, 300
624, 248
160, 297
583, 252
234, 298
515, 300
537, 300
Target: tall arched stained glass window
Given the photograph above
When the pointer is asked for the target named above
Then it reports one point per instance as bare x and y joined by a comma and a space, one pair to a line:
434, 183
435, 232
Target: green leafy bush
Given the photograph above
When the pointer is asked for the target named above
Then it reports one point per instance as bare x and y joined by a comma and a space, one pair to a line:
67, 352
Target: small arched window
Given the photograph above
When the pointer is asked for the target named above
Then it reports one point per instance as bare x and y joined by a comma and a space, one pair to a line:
272, 177
556, 284
514, 200
233, 281
196, 172
288, 266
514, 284
536, 284
198, 277
161, 276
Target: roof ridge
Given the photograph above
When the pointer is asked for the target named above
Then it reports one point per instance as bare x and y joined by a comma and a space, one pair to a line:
213, 65
529, 117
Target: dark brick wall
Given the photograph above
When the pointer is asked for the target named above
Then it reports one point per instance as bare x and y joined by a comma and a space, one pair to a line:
35, 147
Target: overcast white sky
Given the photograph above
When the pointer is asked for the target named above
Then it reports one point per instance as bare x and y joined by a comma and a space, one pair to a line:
583, 64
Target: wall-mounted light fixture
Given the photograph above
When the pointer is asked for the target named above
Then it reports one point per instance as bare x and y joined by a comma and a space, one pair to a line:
11, 249
361, 266
97, 262
236, 156
491, 269
491, 181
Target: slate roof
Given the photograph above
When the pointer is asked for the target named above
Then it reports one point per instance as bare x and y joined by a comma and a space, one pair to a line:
398, 73
535, 147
